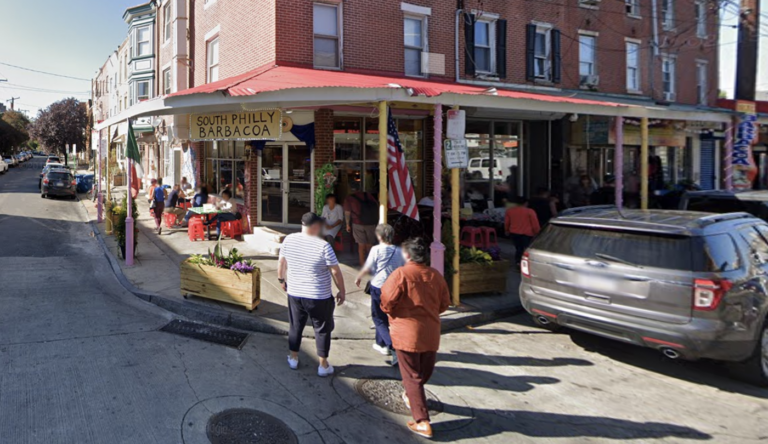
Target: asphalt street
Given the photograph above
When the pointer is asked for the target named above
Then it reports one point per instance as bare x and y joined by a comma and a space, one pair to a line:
82, 361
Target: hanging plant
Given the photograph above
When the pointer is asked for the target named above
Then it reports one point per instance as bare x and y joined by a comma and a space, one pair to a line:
325, 183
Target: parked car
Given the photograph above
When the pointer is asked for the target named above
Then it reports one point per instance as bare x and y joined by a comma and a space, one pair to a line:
58, 182
753, 202
47, 168
689, 284
478, 167
53, 159
11, 161
3, 166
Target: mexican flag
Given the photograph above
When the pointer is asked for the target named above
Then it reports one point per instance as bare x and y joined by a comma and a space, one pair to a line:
132, 152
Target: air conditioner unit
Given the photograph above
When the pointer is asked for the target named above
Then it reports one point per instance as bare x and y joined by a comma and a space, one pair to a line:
669, 96
589, 2
590, 81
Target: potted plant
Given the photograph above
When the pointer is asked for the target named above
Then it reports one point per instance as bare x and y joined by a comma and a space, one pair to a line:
226, 277
119, 215
482, 271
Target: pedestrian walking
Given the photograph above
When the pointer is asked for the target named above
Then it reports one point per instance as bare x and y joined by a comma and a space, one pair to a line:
413, 296
521, 223
306, 266
157, 205
383, 259
361, 210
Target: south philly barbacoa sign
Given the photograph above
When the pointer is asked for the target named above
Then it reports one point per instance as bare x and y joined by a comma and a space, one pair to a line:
246, 125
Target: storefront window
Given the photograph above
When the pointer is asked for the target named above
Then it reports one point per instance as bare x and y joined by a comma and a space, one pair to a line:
224, 167
494, 157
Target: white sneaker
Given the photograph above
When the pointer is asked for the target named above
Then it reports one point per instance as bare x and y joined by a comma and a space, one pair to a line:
323, 372
383, 350
293, 363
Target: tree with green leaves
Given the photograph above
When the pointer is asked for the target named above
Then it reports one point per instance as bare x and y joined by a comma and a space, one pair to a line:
13, 131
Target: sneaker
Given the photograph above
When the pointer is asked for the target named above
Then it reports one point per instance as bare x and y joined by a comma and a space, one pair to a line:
422, 429
293, 363
383, 350
323, 372
394, 360
406, 401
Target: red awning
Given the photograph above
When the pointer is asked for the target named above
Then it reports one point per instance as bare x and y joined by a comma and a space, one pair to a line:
286, 77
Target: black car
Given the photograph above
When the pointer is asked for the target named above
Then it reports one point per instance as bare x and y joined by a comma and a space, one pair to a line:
59, 182
754, 202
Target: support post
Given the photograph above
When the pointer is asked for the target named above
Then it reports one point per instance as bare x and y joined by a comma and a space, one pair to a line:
99, 204
455, 202
129, 219
644, 163
728, 157
383, 163
618, 162
437, 248
108, 225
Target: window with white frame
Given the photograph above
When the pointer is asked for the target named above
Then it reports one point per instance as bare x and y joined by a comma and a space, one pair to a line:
167, 21
702, 91
167, 81
633, 8
542, 50
143, 90
633, 66
701, 19
143, 43
485, 42
668, 14
668, 81
327, 35
415, 42
213, 60
587, 56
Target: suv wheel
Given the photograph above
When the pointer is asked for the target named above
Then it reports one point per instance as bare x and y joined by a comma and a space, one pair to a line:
755, 369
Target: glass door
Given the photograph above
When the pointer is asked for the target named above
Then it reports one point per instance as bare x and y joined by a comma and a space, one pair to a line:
299, 183
272, 184
286, 184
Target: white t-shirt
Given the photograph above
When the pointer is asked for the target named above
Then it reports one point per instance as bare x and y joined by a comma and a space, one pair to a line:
332, 216
382, 261
308, 260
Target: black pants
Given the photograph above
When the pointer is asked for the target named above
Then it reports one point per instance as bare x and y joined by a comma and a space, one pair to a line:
521, 242
320, 311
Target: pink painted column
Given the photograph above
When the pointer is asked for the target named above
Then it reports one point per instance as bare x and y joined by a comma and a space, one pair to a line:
618, 162
728, 158
129, 220
98, 177
437, 248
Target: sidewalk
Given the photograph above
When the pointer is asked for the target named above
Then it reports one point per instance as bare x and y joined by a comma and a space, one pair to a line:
155, 278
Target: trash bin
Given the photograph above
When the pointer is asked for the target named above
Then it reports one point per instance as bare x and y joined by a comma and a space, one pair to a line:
84, 182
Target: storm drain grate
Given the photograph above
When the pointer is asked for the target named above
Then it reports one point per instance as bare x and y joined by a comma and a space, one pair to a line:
387, 394
246, 426
202, 332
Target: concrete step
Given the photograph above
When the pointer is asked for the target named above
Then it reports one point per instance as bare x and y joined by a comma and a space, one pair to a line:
261, 245
267, 234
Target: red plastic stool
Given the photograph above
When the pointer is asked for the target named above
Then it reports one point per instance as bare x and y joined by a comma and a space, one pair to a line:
489, 237
472, 237
169, 219
232, 229
196, 229
338, 242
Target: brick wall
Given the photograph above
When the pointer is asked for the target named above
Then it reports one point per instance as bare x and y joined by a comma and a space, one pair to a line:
324, 149
252, 198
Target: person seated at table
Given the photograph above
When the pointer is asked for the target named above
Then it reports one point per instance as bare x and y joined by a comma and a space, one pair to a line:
172, 202
334, 217
186, 187
201, 197
228, 211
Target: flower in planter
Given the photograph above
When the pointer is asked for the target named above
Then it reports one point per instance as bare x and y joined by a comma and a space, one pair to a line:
242, 267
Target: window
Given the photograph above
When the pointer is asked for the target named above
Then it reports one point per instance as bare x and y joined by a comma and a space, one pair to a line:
668, 69
542, 50
143, 90
592, 4
702, 91
143, 44
485, 59
415, 41
587, 56
668, 14
327, 36
701, 19
633, 8
633, 66
167, 21
224, 168
213, 60
167, 81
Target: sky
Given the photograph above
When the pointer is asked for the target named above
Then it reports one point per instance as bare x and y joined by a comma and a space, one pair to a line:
75, 37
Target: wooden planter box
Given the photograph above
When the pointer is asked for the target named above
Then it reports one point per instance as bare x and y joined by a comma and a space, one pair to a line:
479, 278
222, 285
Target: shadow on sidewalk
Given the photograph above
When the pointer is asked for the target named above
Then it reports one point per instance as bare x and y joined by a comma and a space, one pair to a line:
518, 361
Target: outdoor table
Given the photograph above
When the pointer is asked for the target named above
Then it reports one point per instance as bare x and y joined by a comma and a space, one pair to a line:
202, 212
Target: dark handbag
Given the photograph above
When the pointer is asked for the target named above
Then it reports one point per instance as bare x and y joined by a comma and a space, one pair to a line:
367, 289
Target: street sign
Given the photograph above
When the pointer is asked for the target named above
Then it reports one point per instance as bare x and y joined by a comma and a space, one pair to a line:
456, 153
457, 123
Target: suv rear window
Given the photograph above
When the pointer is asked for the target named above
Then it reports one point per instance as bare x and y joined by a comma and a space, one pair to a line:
60, 176
639, 248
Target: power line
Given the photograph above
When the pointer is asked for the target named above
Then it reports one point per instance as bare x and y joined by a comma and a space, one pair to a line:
44, 72
45, 91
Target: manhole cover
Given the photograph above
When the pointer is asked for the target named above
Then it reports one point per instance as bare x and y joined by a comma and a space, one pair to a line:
246, 426
208, 333
387, 394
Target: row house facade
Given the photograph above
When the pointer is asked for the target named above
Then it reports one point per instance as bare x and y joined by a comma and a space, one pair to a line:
573, 61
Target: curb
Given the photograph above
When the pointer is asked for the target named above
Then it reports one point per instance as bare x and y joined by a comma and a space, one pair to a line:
265, 325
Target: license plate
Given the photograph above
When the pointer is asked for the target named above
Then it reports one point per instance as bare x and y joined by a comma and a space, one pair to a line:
598, 283
59, 184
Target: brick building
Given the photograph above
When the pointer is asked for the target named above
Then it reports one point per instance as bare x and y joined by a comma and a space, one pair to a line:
541, 84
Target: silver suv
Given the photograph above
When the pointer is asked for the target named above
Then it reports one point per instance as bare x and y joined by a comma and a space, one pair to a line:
692, 285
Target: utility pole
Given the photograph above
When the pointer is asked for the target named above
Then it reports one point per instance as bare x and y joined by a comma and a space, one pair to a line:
747, 51
12, 100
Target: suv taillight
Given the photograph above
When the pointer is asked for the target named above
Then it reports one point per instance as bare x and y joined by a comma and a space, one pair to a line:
74, 183
525, 265
708, 293
45, 181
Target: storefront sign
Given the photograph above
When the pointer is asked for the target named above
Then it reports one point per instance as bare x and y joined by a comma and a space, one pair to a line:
456, 153
602, 131
456, 124
744, 168
247, 125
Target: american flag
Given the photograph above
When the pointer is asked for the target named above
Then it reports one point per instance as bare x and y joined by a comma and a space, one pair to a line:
401, 195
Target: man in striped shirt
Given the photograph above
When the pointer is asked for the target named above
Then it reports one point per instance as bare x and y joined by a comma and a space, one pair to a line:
306, 266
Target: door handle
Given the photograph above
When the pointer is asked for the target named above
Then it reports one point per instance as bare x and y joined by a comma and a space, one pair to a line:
637, 278
563, 266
